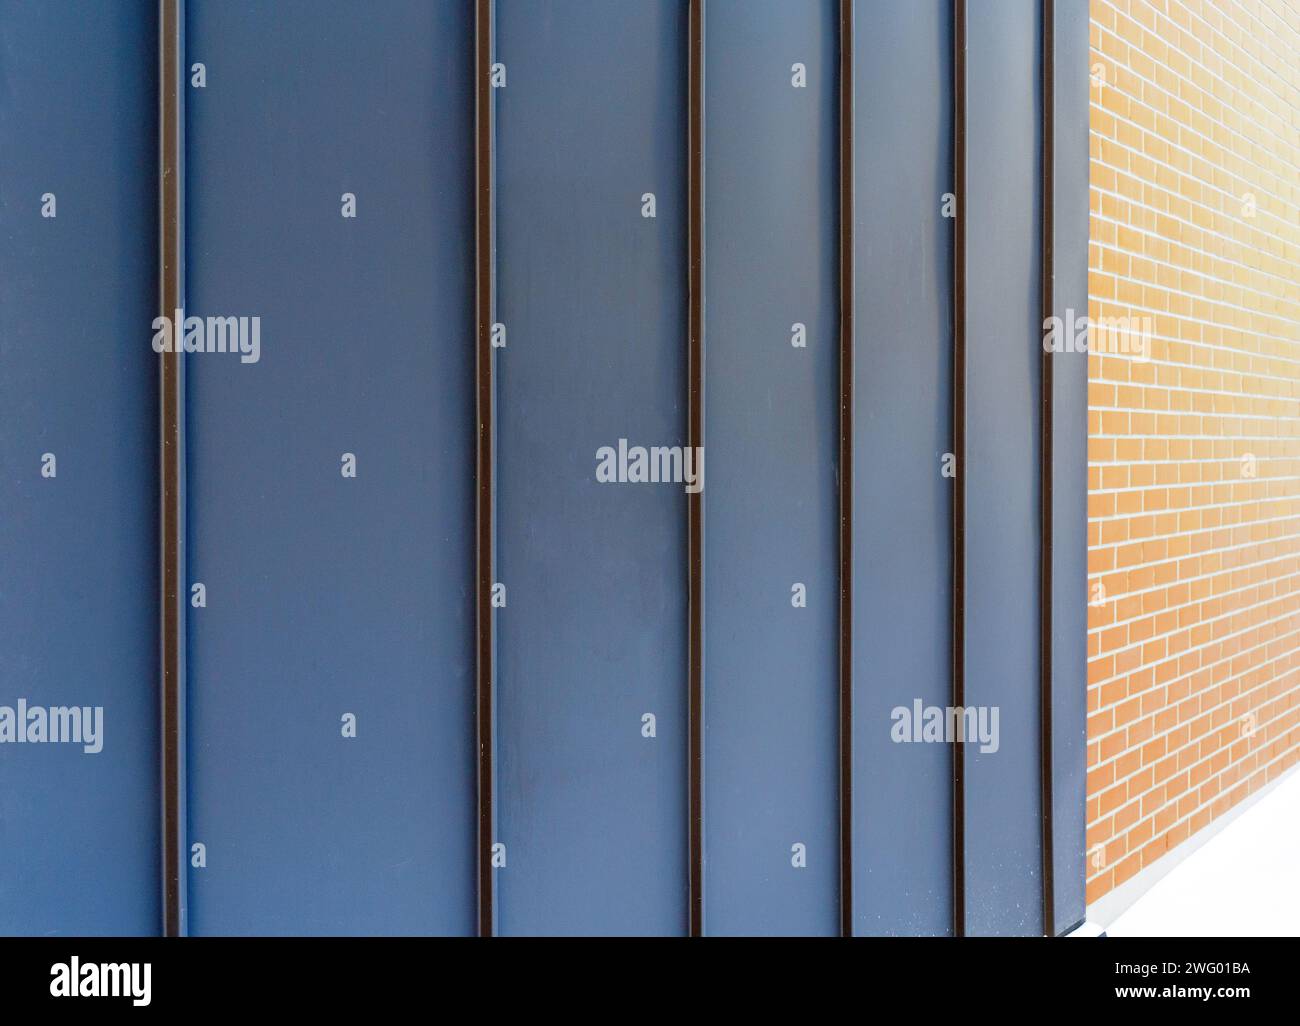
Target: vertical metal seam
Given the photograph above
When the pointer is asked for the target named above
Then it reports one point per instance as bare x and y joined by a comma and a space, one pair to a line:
171, 470
484, 490
1048, 300
695, 439
846, 214
959, 453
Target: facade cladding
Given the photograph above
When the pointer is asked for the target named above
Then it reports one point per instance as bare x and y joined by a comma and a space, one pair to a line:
1194, 428
424, 668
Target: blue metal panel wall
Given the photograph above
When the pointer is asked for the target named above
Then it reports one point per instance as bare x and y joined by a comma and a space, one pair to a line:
78, 606
592, 813
329, 595
1003, 365
902, 430
1069, 509
771, 429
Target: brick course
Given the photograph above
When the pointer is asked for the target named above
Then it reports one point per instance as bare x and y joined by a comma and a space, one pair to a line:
1194, 453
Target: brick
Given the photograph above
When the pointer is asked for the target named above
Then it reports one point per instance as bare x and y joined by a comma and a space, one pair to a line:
1200, 561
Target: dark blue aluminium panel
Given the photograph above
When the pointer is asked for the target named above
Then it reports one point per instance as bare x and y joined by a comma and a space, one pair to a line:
902, 547
79, 833
1003, 368
330, 595
1069, 461
592, 639
771, 433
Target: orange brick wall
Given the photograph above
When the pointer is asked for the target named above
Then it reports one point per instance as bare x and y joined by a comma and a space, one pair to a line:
1194, 453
